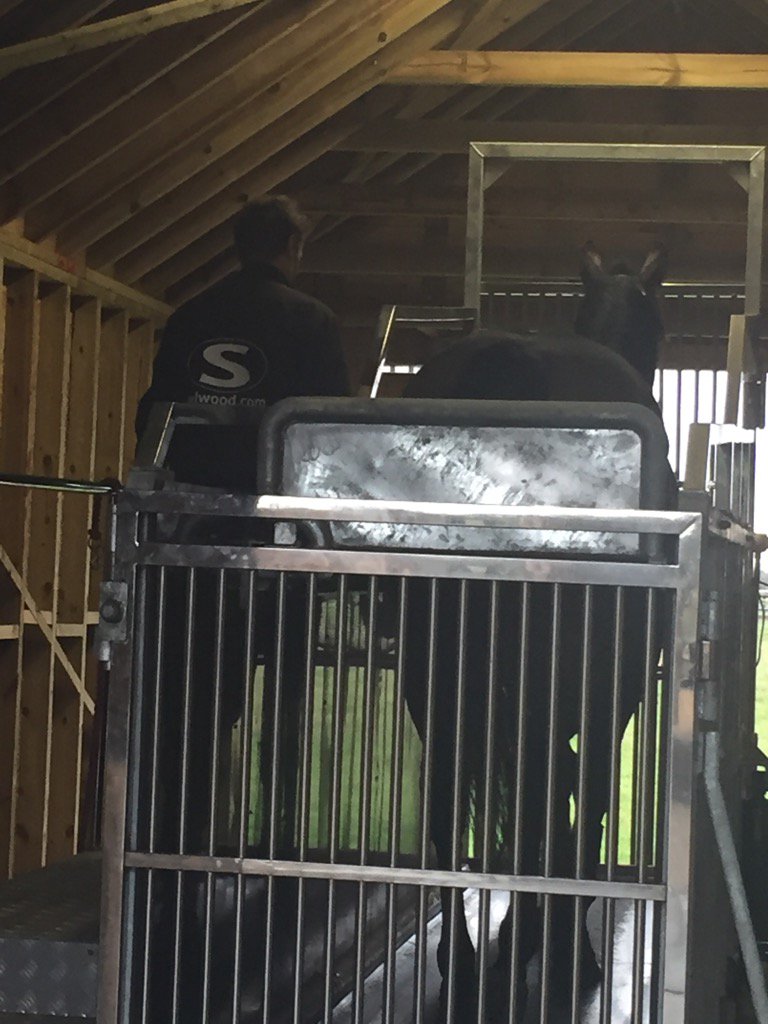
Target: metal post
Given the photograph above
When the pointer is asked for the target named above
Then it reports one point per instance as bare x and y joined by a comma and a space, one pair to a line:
677, 803
473, 280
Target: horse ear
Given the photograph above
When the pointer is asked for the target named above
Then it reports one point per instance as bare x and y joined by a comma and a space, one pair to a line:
592, 270
654, 269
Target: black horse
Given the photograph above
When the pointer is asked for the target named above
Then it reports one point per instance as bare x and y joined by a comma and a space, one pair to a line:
522, 815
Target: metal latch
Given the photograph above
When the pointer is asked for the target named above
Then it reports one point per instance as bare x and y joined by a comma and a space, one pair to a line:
708, 690
113, 609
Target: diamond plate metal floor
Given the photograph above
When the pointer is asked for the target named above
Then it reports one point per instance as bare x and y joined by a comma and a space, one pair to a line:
49, 933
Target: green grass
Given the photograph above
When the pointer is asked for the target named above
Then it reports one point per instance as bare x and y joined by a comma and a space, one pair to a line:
384, 714
761, 702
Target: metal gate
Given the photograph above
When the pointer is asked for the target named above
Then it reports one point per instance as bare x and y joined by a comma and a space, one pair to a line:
261, 860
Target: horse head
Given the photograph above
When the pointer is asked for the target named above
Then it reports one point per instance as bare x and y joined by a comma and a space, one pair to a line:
620, 309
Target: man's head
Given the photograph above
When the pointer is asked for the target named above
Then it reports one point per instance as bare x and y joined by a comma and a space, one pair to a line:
271, 230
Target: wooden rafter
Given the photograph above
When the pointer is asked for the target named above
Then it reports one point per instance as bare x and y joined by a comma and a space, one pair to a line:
56, 18
180, 225
557, 24
438, 136
487, 25
280, 122
110, 30
604, 23
621, 70
317, 42
141, 132
137, 230
677, 205
117, 81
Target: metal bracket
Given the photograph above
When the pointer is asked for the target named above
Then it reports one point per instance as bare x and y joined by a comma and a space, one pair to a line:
113, 616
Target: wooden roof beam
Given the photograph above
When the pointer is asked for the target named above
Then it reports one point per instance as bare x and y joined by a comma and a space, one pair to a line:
300, 137
272, 126
565, 20
117, 81
204, 232
604, 24
531, 260
81, 280
110, 30
558, 69
438, 136
167, 114
205, 128
669, 205
530, 21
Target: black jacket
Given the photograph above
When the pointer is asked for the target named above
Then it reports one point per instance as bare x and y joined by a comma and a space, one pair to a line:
249, 341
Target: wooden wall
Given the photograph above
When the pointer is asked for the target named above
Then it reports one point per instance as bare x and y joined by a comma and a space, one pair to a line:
73, 363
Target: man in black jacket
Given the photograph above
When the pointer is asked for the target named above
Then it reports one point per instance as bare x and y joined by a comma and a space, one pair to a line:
246, 341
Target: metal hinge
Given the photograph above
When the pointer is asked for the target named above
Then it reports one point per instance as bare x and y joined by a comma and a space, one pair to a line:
708, 690
709, 615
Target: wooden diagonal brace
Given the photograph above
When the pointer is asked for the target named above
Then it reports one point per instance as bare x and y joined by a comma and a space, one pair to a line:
46, 629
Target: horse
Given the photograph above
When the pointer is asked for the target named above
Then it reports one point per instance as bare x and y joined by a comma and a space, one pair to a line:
612, 357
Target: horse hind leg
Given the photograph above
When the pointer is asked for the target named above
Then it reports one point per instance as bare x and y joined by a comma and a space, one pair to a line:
455, 951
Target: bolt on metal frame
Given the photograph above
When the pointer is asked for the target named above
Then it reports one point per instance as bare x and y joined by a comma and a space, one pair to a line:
745, 163
128, 866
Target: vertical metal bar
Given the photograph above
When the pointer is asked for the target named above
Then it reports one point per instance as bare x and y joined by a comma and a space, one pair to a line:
606, 992
156, 709
366, 758
245, 771
715, 381
517, 858
189, 633
678, 421
304, 795
457, 808
638, 962
677, 840
551, 795
754, 261
473, 267
647, 746
612, 837
218, 682
153, 787
212, 801
115, 788
581, 799
395, 810
339, 688
275, 808
420, 1007
488, 821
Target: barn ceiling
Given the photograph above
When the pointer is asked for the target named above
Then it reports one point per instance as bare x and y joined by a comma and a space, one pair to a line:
127, 146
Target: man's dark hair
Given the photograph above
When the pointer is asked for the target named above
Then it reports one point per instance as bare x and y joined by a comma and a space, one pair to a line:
264, 228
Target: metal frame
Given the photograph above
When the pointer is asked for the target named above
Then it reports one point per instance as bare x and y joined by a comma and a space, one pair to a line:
414, 316
680, 575
747, 166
